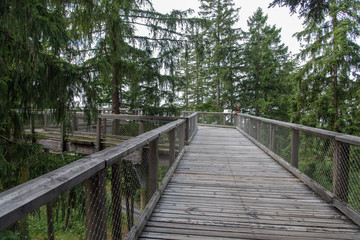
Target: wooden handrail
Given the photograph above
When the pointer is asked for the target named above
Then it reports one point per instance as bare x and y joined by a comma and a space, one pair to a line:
345, 138
25, 198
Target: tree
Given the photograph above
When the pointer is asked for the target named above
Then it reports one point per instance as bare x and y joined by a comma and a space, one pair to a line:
315, 9
328, 81
222, 43
120, 53
265, 89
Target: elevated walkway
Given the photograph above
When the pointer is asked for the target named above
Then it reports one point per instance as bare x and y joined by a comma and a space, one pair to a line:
225, 187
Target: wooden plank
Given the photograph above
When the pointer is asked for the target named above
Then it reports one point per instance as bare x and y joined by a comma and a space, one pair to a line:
222, 190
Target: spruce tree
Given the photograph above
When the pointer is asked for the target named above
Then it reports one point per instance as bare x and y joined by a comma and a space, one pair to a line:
222, 39
265, 88
328, 81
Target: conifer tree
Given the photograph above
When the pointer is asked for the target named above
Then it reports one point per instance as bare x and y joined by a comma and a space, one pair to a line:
328, 81
265, 86
222, 40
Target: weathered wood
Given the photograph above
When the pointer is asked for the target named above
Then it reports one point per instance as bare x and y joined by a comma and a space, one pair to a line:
341, 165
295, 147
171, 136
25, 198
116, 205
224, 119
140, 223
272, 137
104, 127
63, 137
225, 190
75, 124
50, 221
95, 206
258, 130
328, 196
98, 135
180, 134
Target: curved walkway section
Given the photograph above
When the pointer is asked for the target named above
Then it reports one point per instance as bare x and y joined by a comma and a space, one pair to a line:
225, 187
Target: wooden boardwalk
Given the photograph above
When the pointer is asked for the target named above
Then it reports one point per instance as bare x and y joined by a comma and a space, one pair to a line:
227, 188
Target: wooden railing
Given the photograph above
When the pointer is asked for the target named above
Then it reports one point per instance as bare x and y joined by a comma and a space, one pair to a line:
326, 161
20, 201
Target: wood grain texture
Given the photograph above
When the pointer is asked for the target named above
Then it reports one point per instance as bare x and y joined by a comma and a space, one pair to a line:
227, 188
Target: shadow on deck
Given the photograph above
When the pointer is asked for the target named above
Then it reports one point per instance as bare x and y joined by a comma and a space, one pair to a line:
225, 187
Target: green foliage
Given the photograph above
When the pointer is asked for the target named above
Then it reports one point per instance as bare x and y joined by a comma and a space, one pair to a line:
266, 87
327, 84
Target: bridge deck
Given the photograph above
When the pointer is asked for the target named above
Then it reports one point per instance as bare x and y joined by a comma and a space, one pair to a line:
227, 188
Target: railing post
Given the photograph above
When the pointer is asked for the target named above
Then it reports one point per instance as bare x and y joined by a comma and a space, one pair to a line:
341, 170
153, 167
62, 137
224, 119
172, 146
187, 126
116, 205
295, 148
95, 206
258, 130
272, 137
50, 221
249, 125
32, 128
202, 118
141, 127
104, 127
75, 123
181, 136
98, 135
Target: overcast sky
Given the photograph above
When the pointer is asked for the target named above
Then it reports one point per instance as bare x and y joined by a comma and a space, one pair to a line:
280, 17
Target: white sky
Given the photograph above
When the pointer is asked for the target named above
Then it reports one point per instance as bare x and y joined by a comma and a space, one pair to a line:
280, 17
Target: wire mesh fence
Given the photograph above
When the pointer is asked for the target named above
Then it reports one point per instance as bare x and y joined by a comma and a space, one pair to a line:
108, 204
330, 161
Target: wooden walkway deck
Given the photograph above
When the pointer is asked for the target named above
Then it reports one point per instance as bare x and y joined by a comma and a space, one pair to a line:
227, 188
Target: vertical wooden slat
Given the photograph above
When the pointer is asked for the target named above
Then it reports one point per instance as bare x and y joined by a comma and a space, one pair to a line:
98, 135
172, 146
341, 166
62, 137
95, 206
75, 123
187, 126
153, 167
258, 130
224, 119
50, 221
295, 148
104, 126
202, 118
141, 127
116, 205
181, 137
272, 137
32, 128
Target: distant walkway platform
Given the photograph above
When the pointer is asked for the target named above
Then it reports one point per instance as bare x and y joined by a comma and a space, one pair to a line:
225, 187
